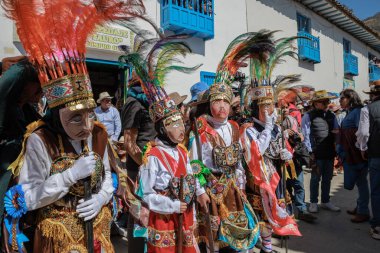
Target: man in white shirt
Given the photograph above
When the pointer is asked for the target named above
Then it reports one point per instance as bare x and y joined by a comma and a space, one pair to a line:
367, 142
109, 116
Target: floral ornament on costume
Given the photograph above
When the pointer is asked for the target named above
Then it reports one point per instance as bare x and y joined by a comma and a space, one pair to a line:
200, 171
188, 188
15, 207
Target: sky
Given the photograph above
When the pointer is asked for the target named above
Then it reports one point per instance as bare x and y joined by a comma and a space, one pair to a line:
363, 8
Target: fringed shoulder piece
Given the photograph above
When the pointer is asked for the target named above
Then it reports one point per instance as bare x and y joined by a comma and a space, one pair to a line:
17, 164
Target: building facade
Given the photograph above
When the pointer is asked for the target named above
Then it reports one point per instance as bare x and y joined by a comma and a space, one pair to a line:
335, 57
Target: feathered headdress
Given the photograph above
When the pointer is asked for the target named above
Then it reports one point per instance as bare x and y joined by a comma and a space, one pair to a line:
262, 87
252, 45
54, 35
153, 59
289, 90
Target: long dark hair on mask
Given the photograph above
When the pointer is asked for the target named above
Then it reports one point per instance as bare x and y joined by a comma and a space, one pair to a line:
53, 121
161, 134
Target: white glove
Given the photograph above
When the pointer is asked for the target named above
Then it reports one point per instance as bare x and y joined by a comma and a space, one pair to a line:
285, 154
270, 120
90, 208
83, 167
286, 134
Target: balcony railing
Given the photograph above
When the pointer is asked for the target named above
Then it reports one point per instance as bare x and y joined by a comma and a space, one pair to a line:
351, 64
195, 17
308, 47
374, 73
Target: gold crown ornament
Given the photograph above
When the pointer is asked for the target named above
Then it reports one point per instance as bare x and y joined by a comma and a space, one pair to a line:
221, 91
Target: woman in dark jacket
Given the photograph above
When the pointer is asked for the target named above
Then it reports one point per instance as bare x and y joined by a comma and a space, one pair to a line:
355, 168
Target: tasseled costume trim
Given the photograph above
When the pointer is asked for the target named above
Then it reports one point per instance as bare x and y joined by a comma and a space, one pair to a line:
63, 240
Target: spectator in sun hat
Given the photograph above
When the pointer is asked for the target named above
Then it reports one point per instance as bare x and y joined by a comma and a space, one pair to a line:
178, 100
108, 115
319, 127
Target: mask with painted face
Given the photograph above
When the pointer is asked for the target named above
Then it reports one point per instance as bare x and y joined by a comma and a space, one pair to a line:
78, 124
175, 128
220, 109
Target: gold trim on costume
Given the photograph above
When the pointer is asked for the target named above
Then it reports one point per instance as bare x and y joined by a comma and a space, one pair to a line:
66, 231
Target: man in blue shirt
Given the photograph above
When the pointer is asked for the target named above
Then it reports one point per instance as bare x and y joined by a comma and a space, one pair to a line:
108, 115
319, 127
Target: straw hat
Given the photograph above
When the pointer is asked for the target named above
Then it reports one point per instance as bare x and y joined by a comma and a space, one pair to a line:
178, 99
321, 95
102, 96
374, 87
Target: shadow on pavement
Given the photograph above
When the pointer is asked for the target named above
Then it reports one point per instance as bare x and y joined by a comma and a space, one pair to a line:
333, 231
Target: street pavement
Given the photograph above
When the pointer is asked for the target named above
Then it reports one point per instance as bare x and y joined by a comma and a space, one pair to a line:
333, 232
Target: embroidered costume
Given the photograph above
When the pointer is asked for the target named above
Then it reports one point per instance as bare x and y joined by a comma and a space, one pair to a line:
49, 188
165, 182
232, 217
159, 187
266, 152
233, 223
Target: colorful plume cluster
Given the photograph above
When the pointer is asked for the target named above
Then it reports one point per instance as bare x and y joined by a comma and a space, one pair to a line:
54, 32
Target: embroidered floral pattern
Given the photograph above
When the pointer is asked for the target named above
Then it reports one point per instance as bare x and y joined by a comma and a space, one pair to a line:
218, 187
161, 239
188, 188
164, 239
64, 162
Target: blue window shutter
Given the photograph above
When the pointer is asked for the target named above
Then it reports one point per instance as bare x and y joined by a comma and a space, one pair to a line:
208, 77
346, 46
303, 23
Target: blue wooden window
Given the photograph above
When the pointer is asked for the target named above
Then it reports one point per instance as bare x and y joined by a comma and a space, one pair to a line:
194, 17
308, 45
350, 64
346, 46
350, 60
208, 77
374, 73
303, 23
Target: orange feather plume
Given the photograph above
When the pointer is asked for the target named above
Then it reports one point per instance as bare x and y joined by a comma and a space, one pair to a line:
54, 32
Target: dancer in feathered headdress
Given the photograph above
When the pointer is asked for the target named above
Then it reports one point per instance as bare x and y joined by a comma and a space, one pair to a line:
216, 154
265, 149
67, 146
166, 170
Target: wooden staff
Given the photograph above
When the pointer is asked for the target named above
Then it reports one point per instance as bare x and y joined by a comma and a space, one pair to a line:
283, 171
89, 226
207, 214
180, 218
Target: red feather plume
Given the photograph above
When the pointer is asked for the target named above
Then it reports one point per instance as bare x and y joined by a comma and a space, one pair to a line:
54, 32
